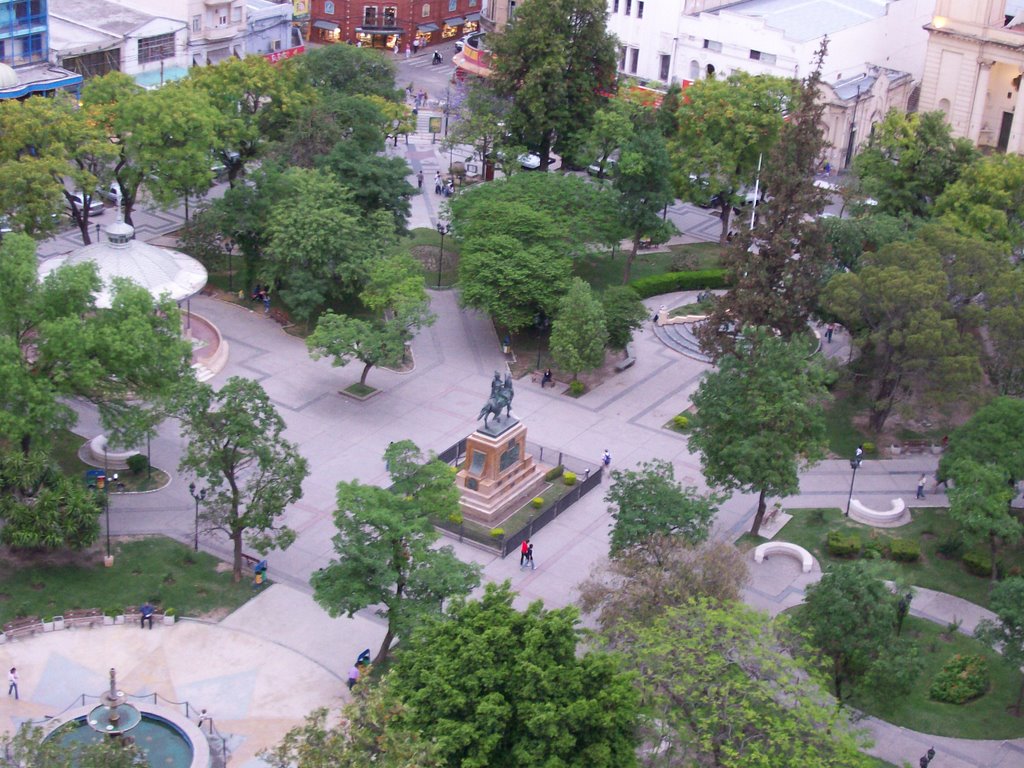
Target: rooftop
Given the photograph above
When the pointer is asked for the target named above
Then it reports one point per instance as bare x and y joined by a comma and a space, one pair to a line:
101, 16
805, 20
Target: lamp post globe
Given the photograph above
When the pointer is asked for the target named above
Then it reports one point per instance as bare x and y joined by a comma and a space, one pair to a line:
443, 228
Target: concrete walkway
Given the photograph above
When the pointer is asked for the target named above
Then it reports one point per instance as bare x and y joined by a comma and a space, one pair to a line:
434, 405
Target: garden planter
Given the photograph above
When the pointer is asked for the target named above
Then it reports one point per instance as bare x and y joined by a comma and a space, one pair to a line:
168, 620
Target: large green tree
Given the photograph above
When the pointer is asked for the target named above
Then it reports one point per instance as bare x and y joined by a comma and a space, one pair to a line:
850, 618
719, 689
624, 313
987, 201
55, 344
320, 243
29, 747
979, 501
385, 547
1006, 631
724, 128
237, 451
761, 417
898, 311
494, 687
348, 70
775, 269
649, 501
910, 160
395, 293
642, 181
256, 101
578, 333
994, 435
368, 733
553, 61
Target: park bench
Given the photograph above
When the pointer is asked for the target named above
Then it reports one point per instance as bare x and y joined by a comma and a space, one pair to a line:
82, 616
896, 515
132, 615
785, 548
916, 446
250, 561
26, 625
627, 363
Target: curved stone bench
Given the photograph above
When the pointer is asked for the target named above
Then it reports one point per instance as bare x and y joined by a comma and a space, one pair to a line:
112, 459
893, 517
785, 548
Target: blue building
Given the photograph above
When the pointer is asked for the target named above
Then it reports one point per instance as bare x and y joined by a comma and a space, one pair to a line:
25, 67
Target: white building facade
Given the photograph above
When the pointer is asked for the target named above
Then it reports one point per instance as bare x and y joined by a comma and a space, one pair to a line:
270, 30
217, 29
876, 50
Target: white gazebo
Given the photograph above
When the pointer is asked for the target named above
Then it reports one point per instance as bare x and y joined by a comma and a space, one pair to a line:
160, 271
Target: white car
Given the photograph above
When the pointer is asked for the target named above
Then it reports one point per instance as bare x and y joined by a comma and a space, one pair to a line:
529, 160
94, 203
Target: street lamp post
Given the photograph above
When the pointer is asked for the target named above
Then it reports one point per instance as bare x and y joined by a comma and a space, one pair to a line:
106, 496
198, 497
854, 465
442, 229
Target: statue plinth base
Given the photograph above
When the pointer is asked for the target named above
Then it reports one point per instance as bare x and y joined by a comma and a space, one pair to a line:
498, 475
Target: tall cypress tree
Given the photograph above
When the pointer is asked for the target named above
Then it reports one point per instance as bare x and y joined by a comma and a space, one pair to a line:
776, 267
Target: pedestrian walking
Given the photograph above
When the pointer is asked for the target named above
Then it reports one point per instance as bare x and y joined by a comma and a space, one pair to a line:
529, 557
419, 179
606, 458
547, 379
205, 717
829, 330
920, 486
859, 452
397, 48
146, 612
523, 549
437, 182
408, 51
12, 682
266, 303
416, 46
353, 676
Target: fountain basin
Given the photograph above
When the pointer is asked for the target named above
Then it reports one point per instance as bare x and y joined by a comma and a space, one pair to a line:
169, 739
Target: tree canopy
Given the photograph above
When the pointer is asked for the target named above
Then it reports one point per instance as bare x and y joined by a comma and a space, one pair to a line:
649, 502
578, 333
494, 687
910, 160
993, 435
251, 473
1006, 631
385, 547
980, 502
718, 688
760, 417
553, 61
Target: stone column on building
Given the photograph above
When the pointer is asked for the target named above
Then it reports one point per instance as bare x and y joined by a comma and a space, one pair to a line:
1015, 144
980, 97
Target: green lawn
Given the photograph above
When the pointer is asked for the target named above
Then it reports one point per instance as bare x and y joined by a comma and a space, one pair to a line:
66, 445
603, 270
809, 528
843, 436
156, 568
424, 244
983, 718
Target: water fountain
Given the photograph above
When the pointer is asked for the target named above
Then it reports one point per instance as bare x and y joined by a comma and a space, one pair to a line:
168, 739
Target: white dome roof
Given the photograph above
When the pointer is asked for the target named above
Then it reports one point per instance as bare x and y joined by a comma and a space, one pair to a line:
8, 77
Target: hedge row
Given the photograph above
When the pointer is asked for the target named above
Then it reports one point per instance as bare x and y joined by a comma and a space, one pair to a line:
703, 279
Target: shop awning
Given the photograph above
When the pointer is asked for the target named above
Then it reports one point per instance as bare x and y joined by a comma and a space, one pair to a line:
457, 21
381, 31
427, 28
472, 17
329, 26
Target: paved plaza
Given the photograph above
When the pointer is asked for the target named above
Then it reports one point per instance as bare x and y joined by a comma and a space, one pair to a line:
262, 668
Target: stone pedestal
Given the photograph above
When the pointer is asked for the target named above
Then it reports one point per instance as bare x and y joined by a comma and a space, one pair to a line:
498, 475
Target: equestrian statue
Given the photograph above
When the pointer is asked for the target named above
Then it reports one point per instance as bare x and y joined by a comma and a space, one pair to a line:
501, 397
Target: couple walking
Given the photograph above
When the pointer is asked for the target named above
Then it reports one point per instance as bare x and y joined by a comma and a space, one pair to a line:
526, 555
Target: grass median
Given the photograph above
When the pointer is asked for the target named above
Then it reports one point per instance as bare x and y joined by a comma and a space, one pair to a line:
154, 568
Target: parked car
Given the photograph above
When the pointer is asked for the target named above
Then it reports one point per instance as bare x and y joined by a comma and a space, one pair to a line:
93, 202
529, 160
113, 192
594, 169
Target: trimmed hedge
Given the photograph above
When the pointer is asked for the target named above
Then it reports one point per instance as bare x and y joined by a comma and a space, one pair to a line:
703, 279
569, 478
962, 678
554, 472
978, 564
841, 545
904, 550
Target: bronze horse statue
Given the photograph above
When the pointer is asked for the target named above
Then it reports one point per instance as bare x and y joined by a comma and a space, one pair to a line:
501, 397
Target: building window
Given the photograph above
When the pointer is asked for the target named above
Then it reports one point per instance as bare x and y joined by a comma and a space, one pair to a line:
197, 23
694, 70
236, 15
369, 15
629, 6
634, 59
615, 6
640, 9
622, 58
426, 10
511, 9
156, 48
666, 62
767, 58
713, 45
453, 5
390, 15
329, 8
